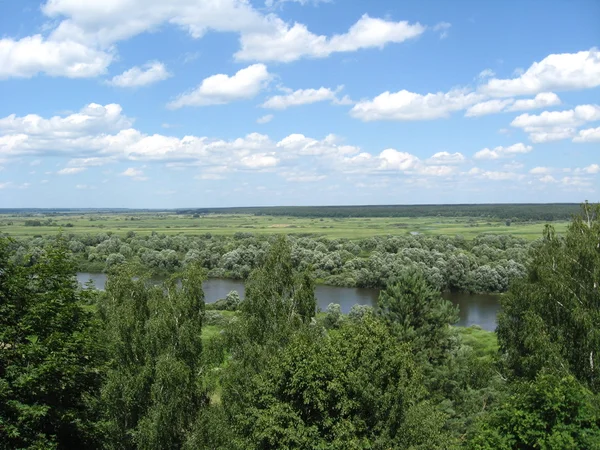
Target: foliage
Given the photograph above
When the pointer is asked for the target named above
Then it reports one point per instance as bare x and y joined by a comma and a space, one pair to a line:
550, 412
151, 394
50, 360
418, 314
350, 389
550, 319
485, 264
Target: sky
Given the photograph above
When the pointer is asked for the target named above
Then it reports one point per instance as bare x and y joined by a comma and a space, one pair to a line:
209, 103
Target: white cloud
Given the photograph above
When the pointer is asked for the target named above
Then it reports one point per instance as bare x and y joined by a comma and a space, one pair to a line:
301, 97
135, 174
32, 134
556, 125
285, 43
503, 152
392, 159
591, 169
82, 36
540, 170
220, 89
548, 179
405, 105
493, 175
32, 55
576, 181
437, 171
85, 187
446, 158
70, 170
443, 28
541, 100
486, 73
565, 71
487, 107
259, 161
106, 136
588, 135
149, 73
265, 119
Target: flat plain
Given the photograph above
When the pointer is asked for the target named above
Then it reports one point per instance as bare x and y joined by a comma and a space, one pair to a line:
229, 224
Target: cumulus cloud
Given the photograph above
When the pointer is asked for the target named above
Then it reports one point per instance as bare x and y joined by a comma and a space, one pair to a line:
221, 89
540, 170
503, 152
83, 35
486, 73
493, 175
29, 56
301, 97
286, 43
149, 73
541, 100
265, 119
134, 174
405, 105
588, 135
107, 136
556, 125
564, 71
446, 158
487, 107
548, 179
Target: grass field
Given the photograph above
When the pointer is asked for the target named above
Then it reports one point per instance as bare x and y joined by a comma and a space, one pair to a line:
353, 228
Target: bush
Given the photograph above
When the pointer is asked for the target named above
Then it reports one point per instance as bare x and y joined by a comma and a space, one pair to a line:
333, 319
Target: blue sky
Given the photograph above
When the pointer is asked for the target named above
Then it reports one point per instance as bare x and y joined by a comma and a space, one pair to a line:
154, 104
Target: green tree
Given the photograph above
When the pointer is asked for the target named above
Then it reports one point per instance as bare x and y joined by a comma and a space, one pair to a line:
50, 358
550, 412
418, 314
550, 318
152, 393
352, 389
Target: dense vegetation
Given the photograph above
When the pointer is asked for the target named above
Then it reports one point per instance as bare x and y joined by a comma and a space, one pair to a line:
130, 367
486, 264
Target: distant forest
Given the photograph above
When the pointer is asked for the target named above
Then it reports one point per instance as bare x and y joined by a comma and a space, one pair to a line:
521, 211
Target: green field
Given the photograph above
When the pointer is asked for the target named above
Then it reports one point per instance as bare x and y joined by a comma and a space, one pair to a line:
229, 224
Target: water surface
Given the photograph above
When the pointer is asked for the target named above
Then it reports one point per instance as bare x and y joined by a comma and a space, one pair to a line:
475, 309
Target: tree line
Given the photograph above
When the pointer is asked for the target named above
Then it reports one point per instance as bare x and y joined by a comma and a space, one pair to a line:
516, 211
128, 368
487, 263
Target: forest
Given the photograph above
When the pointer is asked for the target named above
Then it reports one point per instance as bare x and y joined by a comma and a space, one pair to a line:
130, 367
518, 211
487, 263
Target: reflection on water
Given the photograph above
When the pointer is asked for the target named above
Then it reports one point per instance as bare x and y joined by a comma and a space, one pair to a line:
475, 309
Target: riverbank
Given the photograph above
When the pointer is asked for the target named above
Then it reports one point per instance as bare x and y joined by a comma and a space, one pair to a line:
474, 309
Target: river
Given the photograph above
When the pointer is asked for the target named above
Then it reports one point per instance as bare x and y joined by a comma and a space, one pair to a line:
475, 309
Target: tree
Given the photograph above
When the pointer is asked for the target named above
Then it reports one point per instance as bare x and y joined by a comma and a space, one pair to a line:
550, 412
550, 318
418, 314
151, 395
50, 358
354, 388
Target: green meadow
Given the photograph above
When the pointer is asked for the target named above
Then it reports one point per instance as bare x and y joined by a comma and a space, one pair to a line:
229, 224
